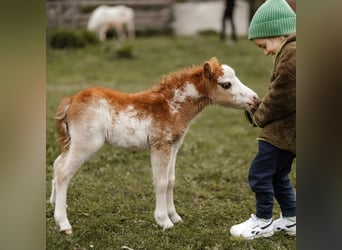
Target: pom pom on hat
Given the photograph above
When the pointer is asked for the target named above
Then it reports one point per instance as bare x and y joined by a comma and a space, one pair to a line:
272, 18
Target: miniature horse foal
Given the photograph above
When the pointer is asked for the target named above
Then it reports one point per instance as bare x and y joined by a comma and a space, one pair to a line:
156, 119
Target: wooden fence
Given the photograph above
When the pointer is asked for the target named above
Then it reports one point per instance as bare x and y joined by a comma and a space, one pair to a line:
149, 14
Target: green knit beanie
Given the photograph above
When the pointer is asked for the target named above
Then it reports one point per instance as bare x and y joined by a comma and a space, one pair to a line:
272, 18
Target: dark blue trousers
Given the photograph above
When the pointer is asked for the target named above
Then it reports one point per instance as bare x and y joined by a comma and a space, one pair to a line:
268, 179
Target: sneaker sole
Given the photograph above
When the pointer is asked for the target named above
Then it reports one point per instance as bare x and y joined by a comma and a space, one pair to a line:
291, 233
254, 237
287, 232
262, 235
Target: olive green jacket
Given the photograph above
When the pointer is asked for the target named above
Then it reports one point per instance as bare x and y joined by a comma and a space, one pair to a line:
276, 114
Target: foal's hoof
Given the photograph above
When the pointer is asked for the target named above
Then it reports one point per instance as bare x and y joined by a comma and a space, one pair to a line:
176, 218
166, 224
68, 232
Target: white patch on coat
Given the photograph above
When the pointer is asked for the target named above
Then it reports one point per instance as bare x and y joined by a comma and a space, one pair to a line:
180, 96
127, 129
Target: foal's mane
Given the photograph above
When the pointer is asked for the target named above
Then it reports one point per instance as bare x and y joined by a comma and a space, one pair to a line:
178, 78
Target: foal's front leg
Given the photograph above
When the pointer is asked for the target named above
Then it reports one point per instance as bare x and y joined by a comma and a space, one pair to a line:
161, 159
175, 218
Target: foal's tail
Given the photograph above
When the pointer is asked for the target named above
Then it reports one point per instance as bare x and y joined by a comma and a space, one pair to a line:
62, 124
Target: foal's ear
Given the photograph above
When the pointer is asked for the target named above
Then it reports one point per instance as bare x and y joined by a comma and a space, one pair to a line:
207, 70
209, 67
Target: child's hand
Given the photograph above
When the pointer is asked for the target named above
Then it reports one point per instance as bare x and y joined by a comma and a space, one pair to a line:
249, 118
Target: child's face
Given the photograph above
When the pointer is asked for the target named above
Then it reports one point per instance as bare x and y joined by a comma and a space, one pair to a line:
269, 45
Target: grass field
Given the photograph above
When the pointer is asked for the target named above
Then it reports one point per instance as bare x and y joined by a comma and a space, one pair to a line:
111, 199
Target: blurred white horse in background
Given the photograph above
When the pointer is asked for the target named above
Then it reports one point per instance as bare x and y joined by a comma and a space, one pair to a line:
117, 17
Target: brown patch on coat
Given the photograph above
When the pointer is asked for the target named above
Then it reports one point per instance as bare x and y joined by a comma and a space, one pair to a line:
62, 124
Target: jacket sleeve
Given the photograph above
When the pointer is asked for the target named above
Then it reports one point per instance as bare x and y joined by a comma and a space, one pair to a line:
280, 101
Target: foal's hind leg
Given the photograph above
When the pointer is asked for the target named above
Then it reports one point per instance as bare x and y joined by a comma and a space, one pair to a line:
57, 162
63, 174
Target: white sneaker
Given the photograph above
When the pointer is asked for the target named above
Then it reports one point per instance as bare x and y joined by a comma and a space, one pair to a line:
287, 224
253, 228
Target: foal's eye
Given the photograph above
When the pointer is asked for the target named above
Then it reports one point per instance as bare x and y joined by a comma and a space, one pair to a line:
226, 85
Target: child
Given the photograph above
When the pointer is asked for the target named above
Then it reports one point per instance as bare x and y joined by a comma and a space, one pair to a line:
272, 29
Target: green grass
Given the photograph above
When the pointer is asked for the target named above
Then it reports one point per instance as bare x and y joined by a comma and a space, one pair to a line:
111, 199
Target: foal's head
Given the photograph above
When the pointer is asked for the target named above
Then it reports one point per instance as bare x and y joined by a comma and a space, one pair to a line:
225, 89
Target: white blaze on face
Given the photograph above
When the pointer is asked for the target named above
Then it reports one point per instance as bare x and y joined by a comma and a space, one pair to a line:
240, 92
180, 96
228, 74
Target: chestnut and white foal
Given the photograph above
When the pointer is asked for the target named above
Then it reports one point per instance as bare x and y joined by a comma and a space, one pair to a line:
156, 119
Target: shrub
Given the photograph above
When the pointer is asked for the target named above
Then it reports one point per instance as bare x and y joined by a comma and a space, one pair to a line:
66, 39
124, 51
121, 50
89, 37
72, 39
